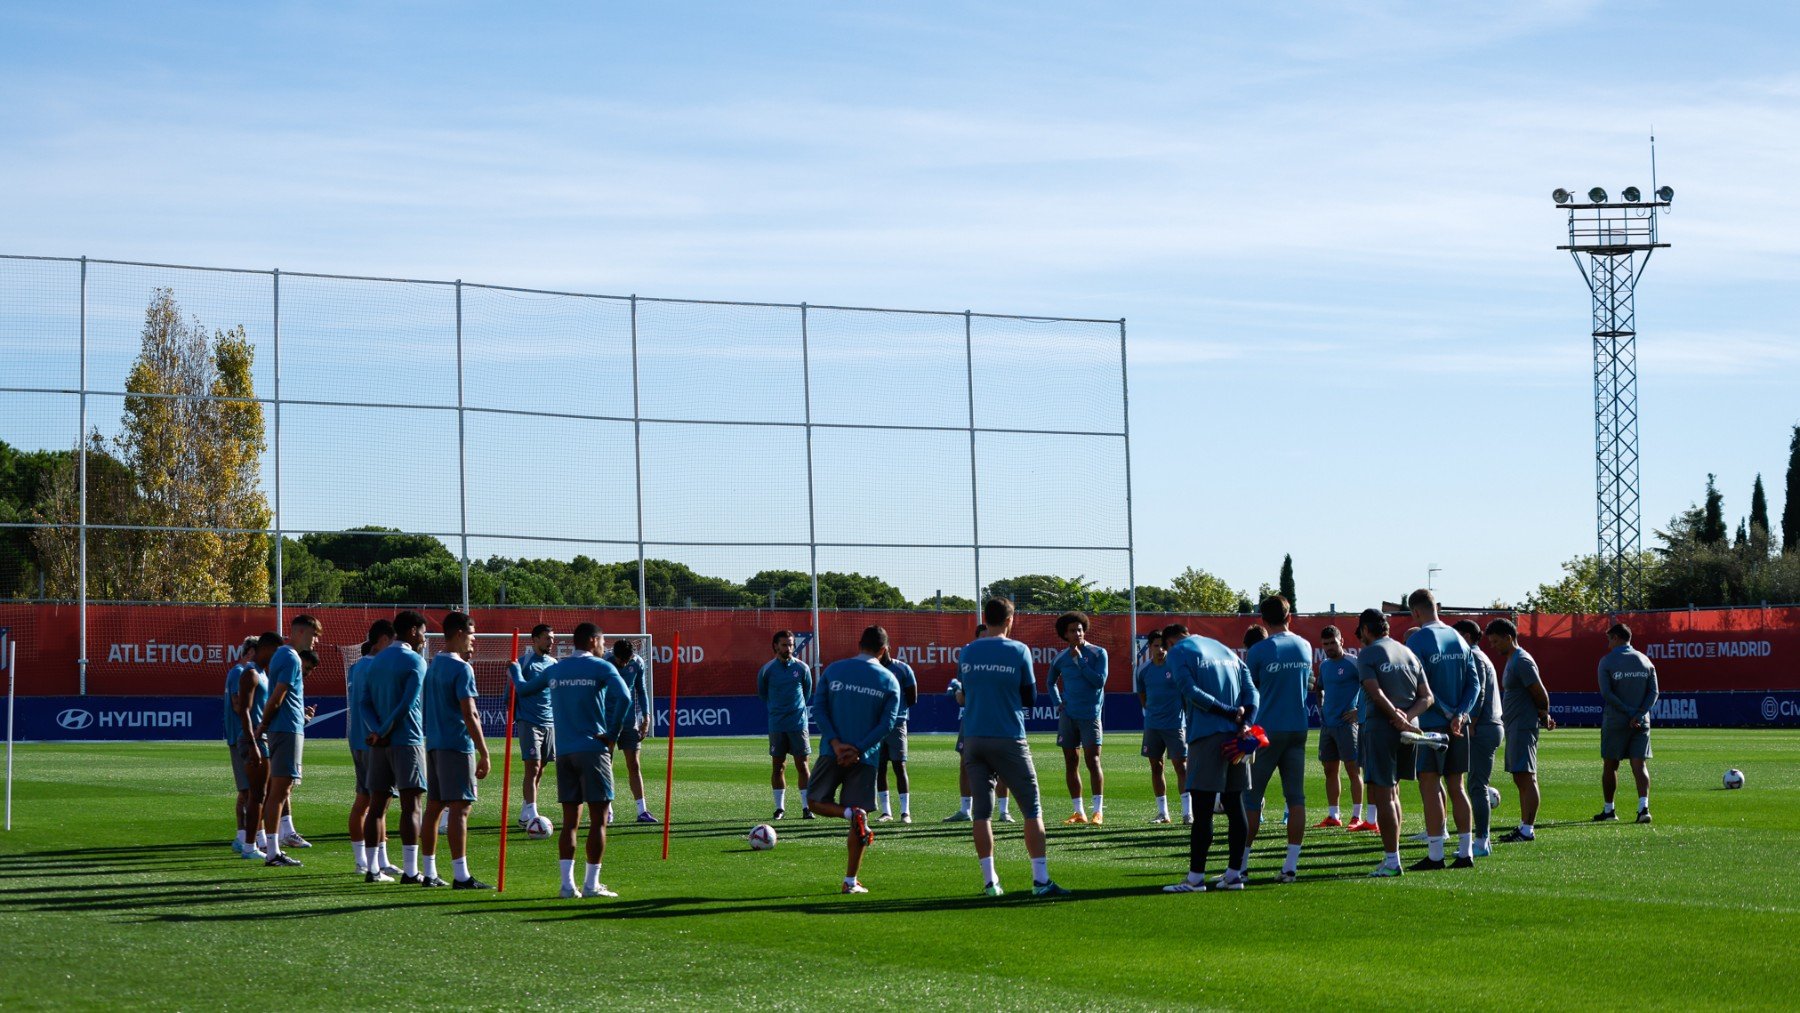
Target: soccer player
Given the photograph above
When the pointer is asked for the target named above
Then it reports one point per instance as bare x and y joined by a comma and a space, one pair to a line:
893, 750
784, 685
1078, 686
381, 634
234, 733
1395, 691
1339, 687
590, 705
1002, 800
857, 704
1628, 690
998, 686
284, 720
637, 725
249, 692
1524, 708
1281, 669
1484, 736
456, 753
1165, 728
393, 725
531, 714
1453, 689
1220, 702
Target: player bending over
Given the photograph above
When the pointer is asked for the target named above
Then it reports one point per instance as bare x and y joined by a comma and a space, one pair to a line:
1339, 692
857, 704
531, 714
393, 725
283, 720
998, 687
637, 723
783, 685
1003, 800
590, 705
1220, 701
1395, 691
455, 751
1078, 686
1484, 736
893, 749
1628, 690
1165, 728
1281, 668
1454, 687
1524, 708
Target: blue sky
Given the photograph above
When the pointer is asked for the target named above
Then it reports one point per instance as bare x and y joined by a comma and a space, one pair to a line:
1352, 338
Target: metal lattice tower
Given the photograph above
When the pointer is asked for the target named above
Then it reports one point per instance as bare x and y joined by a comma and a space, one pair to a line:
1606, 240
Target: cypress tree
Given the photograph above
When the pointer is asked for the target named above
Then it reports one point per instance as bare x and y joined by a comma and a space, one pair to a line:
1759, 517
1712, 523
1790, 510
1287, 579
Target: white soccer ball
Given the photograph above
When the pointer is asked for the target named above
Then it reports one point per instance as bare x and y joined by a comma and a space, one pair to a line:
762, 837
1493, 794
539, 828
1734, 778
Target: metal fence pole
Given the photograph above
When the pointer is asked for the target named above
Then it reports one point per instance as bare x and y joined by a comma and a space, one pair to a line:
637, 454
812, 529
974, 489
280, 575
1130, 545
462, 452
81, 442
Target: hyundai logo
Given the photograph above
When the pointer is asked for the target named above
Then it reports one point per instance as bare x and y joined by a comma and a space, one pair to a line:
74, 719
1771, 708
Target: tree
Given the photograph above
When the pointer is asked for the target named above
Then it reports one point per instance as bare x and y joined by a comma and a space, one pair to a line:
1287, 580
1584, 588
232, 460
1198, 591
1712, 525
1040, 592
1759, 518
1790, 509
362, 547
26, 478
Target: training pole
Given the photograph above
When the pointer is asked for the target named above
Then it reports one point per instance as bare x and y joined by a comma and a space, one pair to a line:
512, 704
669, 767
12, 663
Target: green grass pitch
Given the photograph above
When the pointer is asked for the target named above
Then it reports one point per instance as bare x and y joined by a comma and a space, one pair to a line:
118, 889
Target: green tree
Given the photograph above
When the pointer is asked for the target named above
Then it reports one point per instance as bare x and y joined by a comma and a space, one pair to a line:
1287, 580
1196, 590
26, 478
1042, 592
1790, 508
305, 577
362, 547
1583, 588
1759, 517
1712, 524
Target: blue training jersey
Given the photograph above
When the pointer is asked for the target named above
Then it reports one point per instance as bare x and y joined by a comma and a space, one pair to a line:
1162, 699
998, 685
1213, 684
1081, 676
449, 680
637, 687
285, 670
903, 674
1449, 669
1281, 667
353, 723
1341, 689
234, 728
589, 703
531, 686
392, 702
857, 703
783, 686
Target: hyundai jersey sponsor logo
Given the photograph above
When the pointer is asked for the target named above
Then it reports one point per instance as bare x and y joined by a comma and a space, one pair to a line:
75, 719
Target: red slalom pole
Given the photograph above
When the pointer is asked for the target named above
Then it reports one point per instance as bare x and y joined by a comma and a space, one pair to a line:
669, 772
512, 703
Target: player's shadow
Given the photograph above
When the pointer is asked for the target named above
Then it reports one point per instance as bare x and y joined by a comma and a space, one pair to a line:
825, 906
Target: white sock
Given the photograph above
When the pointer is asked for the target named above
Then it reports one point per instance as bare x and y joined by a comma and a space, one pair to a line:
262, 840
1356, 812
1002, 803
243, 838
1162, 805
1434, 847
593, 877
364, 855
1485, 843
1293, 859
1040, 870
849, 880
1392, 860
1465, 845
409, 859
1609, 807
1643, 801
273, 846
528, 811
988, 875
1526, 830
1196, 879
460, 867
781, 798
643, 807
287, 826
1187, 805
1080, 805
381, 851
568, 872
1334, 814
905, 802
430, 866
1099, 803
881, 799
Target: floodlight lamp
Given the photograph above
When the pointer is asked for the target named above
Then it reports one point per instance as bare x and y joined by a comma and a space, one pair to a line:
1665, 193
1561, 196
1632, 195
1597, 196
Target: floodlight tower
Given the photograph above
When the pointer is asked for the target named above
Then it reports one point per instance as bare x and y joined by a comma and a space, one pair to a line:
1605, 240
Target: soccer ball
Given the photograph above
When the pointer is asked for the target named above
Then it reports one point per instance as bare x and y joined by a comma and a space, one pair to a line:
1734, 778
539, 828
762, 837
1493, 794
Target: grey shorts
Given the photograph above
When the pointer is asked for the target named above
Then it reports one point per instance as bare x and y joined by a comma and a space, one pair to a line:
783, 744
893, 748
452, 776
395, 768
1379, 752
1285, 752
1084, 733
1482, 743
1623, 742
1159, 742
537, 742
359, 762
238, 773
849, 786
285, 752
1521, 747
1453, 759
1009, 762
630, 739
1338, 744
584, 777
1208, 770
